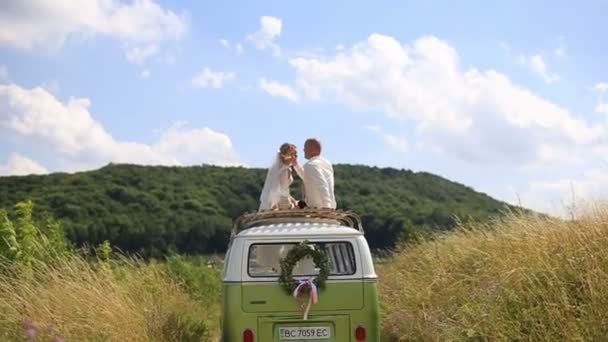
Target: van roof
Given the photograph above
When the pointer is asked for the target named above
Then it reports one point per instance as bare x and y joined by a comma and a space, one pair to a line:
298, 219
296, 229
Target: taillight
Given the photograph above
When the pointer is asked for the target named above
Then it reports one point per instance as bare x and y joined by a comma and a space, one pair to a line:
360, 334
248, 336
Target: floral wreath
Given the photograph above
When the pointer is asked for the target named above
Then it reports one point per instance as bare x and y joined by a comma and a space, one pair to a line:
294, 255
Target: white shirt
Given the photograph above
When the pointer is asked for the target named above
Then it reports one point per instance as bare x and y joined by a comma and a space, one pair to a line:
318, 178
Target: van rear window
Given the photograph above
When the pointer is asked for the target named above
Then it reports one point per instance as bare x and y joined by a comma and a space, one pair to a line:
264, 259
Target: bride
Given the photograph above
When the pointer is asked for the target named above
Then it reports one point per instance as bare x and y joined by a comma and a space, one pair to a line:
275, 194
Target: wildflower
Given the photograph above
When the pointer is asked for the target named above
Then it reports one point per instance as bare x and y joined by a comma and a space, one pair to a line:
30, 328
30, 332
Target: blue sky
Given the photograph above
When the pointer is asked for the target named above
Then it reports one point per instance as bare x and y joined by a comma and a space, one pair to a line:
507, 99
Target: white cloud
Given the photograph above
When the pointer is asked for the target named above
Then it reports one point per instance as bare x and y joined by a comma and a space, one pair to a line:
213, 79
560, 50
19, 165
506, 47
139, 55
265, 36
473, 115
602, 107
279, 90
3, 73
35, 118
191, 144
52, 86
31, 25
561, 195
397, 143
238, 47
601, 87
537, 65
144, 74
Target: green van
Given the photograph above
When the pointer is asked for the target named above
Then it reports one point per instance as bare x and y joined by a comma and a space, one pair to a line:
299, 275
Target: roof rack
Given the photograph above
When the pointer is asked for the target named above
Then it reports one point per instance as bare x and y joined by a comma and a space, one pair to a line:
333, 216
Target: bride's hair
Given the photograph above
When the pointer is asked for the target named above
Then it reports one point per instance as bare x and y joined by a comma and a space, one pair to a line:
287, 150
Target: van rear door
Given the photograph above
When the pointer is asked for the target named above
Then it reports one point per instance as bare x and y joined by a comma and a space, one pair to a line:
280, 315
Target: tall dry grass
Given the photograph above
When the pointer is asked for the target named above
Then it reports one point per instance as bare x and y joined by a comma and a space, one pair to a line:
72, 299
517, 278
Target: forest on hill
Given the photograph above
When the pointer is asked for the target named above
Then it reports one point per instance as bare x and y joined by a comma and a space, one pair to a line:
153, 210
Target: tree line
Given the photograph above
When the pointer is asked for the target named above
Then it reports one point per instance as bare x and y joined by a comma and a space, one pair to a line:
153, 210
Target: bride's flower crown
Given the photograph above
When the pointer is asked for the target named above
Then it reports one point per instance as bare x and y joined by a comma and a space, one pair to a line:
288, 156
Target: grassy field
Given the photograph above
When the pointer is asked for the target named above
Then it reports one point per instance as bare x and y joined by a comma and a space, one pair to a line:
74, 299
519, 278
50, 291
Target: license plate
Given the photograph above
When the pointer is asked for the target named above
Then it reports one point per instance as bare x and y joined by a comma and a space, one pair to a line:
304, 333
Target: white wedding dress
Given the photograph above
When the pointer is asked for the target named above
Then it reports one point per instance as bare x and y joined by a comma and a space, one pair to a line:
275, 193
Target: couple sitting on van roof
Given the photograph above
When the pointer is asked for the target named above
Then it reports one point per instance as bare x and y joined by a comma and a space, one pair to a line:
317, 177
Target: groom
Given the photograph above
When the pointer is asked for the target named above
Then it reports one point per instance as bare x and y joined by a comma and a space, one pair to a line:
317, 176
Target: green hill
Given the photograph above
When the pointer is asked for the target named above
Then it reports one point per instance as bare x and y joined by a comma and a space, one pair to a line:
153, 209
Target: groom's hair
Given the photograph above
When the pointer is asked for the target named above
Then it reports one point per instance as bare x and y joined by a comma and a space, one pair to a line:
314, 143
